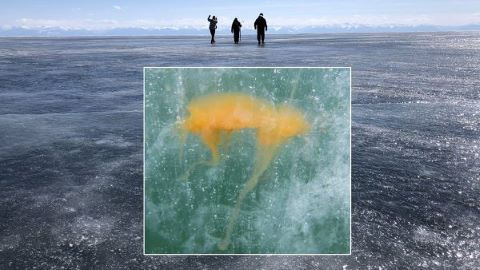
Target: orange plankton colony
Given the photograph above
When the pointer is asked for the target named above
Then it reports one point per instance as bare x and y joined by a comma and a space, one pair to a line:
214, 117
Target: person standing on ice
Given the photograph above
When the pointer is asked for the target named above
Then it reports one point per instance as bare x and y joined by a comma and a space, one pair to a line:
261, 26
236, 25
213, 25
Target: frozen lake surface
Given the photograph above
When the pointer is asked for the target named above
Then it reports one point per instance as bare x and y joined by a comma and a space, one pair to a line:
71, 152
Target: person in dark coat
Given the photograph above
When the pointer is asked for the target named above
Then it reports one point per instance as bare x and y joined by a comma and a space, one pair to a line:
236, 25
213, 25
261, 26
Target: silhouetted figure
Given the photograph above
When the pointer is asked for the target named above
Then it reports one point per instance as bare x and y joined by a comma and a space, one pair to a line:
261, 26
236, 25
213, 25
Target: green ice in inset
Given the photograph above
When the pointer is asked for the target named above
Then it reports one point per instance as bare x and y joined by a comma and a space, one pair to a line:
300, 206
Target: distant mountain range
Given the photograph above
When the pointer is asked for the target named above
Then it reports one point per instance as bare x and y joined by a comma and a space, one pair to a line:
344, 28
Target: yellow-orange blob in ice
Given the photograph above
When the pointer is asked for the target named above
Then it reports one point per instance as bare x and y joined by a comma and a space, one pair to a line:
216, 116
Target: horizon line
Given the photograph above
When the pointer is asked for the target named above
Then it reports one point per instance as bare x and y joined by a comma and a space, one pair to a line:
229, 35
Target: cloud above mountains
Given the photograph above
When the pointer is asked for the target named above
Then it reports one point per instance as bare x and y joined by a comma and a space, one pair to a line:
225, 22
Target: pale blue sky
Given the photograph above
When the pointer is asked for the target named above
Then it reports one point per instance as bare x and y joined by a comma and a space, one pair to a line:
97, 15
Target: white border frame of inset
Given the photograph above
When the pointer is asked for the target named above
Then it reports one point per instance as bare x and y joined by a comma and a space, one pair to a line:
250, 254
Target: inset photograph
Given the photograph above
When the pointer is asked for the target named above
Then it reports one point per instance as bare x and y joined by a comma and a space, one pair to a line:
247, 161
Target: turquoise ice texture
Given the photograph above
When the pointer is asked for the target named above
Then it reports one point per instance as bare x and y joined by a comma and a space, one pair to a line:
302, 202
